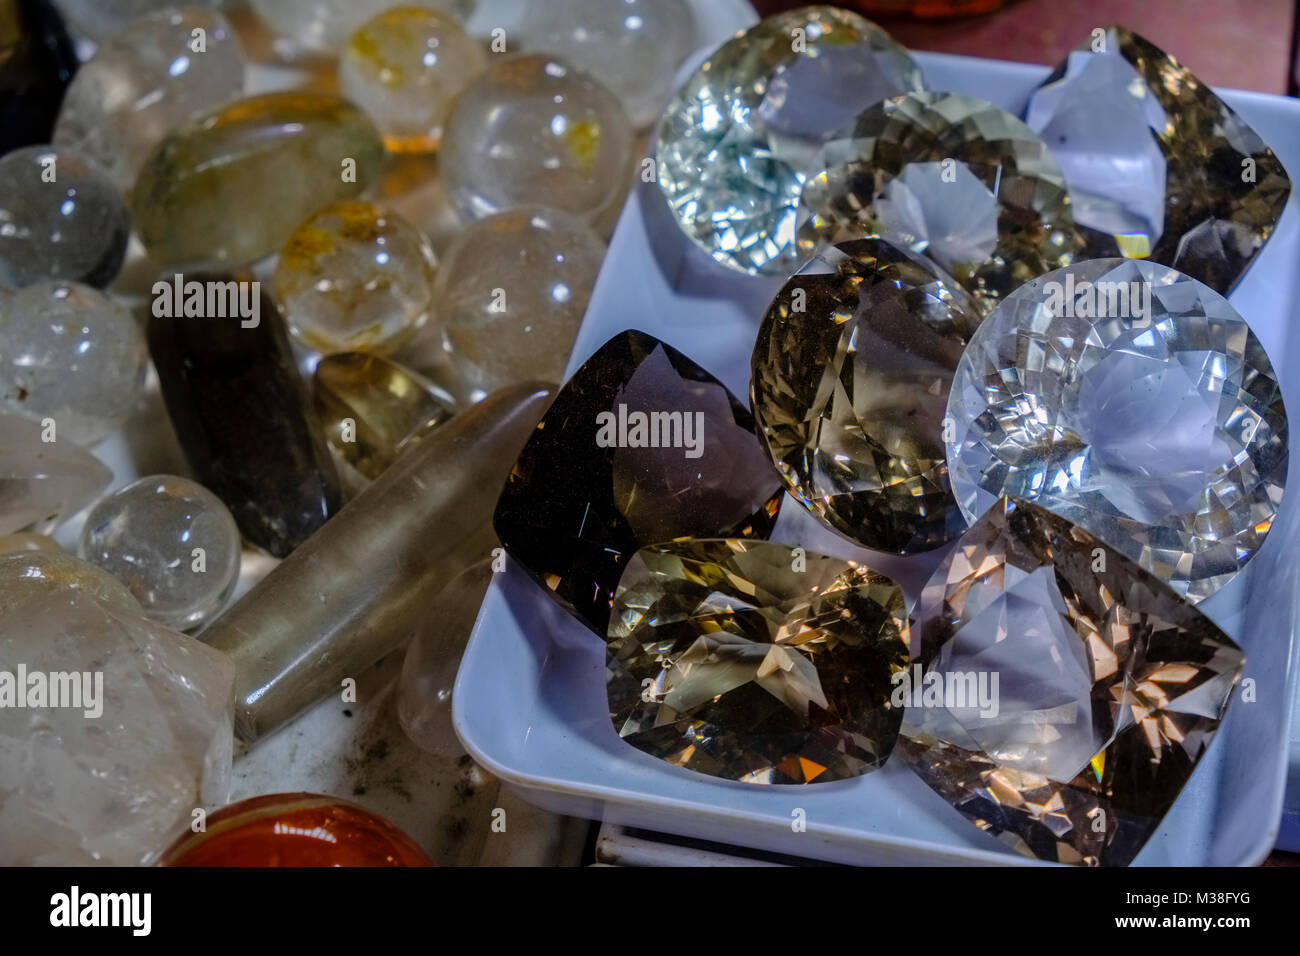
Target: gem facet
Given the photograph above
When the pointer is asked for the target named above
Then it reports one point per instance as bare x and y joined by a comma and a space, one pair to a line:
851, 372
640, 446
953, 177
1158, 166
1133, 401
736, 659
1109, 689
739, 140
43, 483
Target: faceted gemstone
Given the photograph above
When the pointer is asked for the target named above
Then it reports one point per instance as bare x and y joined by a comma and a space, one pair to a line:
101, 20
742, 136
1158, 166
433, 659
43, 483
61, 217
295, 829
171, 542
851, 372
145, 80
532, 130
55, 574
358, 589
1133, 401
107, 782
756, 661
37, 61
232, 184
327, 24
953, 177
404, 67
632, 46
355, 277
21, 541
511, 294
1109, 687
70, 353
241, 413
641, 446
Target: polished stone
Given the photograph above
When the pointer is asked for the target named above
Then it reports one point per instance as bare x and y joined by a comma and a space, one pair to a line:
230, 186
756, 661
22, 541
1109, 689
37, 62
111, 788
57, 574
372, 409
100, 20
739, 140
326, 25
171, 542
1154, 422
42, 484
590, 489
405, 67
851, 372
144, 80
295, 829
950, 176
511, 293
533, 131
354, 276
61, 217
71, 354
241, 412
1158, 166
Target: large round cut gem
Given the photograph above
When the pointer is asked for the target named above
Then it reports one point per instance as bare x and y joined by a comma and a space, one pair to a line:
953, 177
850, 384
756, 661
740, 138
1133, 401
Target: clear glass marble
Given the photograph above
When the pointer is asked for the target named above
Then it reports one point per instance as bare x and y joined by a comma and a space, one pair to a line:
511, 294
61, 217
327, 24
355, 277
404, 67
632, 46
70, 353
171, 542
533, 130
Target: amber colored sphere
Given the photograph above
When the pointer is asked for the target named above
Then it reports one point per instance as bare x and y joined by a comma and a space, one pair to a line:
295, 829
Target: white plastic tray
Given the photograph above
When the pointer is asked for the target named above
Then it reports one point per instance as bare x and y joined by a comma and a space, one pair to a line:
530, 700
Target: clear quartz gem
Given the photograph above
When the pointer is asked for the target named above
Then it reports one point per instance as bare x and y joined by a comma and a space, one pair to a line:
1162, 434
43, 483
738, 141
325, 25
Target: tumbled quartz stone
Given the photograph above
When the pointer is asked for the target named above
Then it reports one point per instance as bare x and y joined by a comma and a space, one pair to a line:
371, 409
231, 185
22, 541
1153, 421
355, 277
756, 661
325, 25
143, 81
1109, 687
405, 67
100, 20
54, 573
61, 217
110, 783
739, 140
533, 131
37, 61
632, 46
171, 542
70, 354
851, 372
511, 293
43, 483
952, 177
1158, 166
641, 446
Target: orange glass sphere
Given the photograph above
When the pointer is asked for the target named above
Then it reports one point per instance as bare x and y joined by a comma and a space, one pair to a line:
295, 829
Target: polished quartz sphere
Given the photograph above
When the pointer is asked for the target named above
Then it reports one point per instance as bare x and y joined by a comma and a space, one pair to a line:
61, 217
534, 130
325, 25
171, 542
295, 829
70, 353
